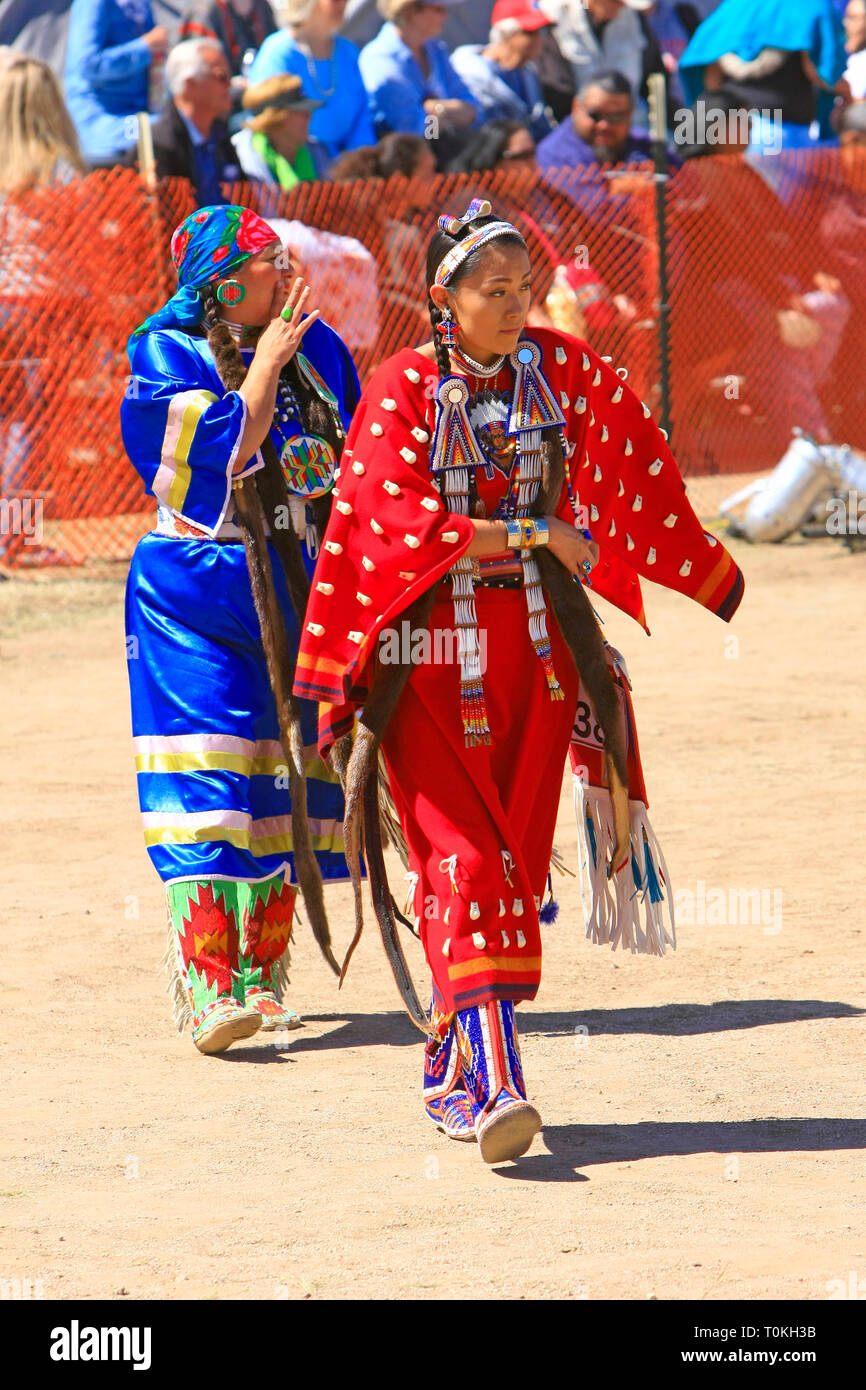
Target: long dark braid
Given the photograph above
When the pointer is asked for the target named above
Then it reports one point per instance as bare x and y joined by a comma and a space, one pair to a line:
252, 516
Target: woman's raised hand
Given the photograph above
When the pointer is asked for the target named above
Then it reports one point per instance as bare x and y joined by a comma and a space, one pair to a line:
281, 339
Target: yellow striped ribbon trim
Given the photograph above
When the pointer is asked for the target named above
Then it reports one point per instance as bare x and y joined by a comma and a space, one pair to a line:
220, 761
237, 836
192, 413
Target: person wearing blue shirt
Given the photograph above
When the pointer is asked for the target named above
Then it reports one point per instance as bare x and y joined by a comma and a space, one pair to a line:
500, 75
410, 80
599, 128
109, 52
327, 64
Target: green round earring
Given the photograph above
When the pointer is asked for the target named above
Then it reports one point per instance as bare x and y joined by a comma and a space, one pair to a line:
230, 292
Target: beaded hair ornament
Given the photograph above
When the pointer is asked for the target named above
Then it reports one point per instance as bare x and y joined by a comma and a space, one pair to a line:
479, 207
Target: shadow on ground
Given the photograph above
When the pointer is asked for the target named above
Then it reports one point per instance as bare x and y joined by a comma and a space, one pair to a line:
393, 1029
574, 1147
673, 1020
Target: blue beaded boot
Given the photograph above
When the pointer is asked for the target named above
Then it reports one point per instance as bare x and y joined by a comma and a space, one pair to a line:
505, 1122
445, 1098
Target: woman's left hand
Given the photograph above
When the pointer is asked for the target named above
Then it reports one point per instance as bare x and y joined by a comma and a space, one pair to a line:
571, 547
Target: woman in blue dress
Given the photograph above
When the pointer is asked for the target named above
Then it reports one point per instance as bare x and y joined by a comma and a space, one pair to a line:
235, 417
327, 64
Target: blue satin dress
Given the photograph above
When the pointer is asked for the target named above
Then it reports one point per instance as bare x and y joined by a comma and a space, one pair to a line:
212, 775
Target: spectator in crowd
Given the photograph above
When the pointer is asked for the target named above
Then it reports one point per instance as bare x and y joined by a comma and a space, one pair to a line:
599, 128
38, 148
666, 40
190, 138
410, 80
409, 155
841, 238
777, 318
113, 52
599, 35
500, 76
855, 46
38, 143
240, 26
273, 144
852, 128
500, 144
769, 56
327, 65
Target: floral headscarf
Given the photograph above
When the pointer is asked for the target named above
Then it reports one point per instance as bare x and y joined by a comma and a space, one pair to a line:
208, 245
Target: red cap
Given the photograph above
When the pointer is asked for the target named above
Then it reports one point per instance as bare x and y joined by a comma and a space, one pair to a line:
528, 17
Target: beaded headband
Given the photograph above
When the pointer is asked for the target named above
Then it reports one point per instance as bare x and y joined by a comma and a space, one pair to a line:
479, 207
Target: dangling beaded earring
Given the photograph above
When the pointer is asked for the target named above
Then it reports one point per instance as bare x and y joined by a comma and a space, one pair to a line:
230, 292
448, 327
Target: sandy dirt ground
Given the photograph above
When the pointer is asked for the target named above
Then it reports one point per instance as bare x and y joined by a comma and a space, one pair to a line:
704, 1127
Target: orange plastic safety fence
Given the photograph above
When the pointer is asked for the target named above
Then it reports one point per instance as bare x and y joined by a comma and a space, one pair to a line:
85, 263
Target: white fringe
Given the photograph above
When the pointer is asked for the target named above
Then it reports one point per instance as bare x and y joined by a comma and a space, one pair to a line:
615, 912
176, 987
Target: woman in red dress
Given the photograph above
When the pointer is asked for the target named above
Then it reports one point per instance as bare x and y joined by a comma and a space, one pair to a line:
482, 459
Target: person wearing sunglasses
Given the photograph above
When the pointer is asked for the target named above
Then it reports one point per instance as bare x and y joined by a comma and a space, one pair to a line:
599, 128
191, 138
